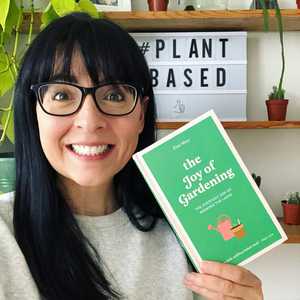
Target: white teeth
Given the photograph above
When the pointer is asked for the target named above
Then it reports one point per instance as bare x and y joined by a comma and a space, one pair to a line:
89, 150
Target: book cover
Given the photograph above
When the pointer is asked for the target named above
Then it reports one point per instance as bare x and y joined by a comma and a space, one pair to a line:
207, 194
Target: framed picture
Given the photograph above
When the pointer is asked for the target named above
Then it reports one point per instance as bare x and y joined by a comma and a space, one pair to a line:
113, 5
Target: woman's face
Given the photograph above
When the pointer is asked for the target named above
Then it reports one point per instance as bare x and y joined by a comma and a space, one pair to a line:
89, 131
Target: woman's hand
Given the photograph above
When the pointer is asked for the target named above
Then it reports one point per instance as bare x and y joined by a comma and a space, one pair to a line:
220, 281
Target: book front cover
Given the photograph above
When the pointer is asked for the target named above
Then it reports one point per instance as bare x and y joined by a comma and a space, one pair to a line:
208, 187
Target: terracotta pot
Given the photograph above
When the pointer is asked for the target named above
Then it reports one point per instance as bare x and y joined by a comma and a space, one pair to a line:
156, 5
298, 3
291, 213
277, 109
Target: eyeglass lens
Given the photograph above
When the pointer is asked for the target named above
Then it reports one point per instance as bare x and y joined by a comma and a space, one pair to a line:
64, 99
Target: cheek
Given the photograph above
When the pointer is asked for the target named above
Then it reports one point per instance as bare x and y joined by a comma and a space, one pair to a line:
51, 130
127, 131
132, 129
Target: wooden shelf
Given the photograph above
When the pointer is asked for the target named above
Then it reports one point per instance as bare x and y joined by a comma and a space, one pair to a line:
206, 20
239, 124
235, 125
292, 231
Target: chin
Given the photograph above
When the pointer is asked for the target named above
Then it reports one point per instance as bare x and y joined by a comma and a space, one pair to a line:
89, 183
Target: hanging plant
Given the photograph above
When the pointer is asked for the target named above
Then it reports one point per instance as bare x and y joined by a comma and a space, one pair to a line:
12, 48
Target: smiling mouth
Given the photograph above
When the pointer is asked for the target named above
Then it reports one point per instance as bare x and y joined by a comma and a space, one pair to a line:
90, 150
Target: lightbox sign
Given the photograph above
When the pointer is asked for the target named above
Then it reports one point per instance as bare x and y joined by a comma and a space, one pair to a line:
193, 72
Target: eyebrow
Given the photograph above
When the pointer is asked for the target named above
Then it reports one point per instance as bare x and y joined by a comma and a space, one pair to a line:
64, 77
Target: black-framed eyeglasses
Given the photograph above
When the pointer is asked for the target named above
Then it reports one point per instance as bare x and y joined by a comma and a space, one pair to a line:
58, 98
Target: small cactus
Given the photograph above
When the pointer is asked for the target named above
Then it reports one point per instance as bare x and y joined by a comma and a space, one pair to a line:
293, 198
277, 93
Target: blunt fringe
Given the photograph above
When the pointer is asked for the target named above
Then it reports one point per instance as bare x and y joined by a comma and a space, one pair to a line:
62, 261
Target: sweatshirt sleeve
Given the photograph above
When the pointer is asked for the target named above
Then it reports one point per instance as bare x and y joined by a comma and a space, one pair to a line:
16, 282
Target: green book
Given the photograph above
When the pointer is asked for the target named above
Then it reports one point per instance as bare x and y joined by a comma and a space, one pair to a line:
207, 194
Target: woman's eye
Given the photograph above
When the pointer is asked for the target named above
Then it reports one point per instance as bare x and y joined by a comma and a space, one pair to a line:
59, 96
114, 97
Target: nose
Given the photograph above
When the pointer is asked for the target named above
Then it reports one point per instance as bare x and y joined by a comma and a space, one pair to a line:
89, 117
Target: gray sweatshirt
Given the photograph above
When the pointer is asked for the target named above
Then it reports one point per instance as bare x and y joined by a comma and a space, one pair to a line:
140, 265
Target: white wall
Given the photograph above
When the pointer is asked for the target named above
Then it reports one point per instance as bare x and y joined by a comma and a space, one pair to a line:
279, 270
274, 154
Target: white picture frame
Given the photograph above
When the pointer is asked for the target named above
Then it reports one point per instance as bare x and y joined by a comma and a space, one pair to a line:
112, 5
171, 57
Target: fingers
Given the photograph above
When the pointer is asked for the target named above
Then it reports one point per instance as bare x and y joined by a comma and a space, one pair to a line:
233, 273
211, 295
215, 286
220, 281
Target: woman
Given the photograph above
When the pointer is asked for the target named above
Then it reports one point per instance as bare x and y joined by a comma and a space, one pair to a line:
82, 224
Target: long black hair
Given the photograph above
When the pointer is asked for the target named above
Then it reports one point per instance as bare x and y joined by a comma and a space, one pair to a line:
62, 261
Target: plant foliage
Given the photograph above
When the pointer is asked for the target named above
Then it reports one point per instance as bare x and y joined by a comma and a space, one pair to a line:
12, 49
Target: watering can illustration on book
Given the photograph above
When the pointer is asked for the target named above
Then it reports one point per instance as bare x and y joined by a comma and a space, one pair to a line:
226, 230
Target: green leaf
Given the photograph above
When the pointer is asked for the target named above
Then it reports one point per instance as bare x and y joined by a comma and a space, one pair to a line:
4, 8
48, 15
63, 7
77, 7
12, 17
6, 79
6, 36
10, 128
88, 7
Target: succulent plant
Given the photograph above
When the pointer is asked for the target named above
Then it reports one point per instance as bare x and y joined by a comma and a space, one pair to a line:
277, 93
293, 197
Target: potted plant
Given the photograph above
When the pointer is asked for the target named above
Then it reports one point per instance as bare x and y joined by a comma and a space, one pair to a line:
291, 208
276, 104
157, 5
257, 5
